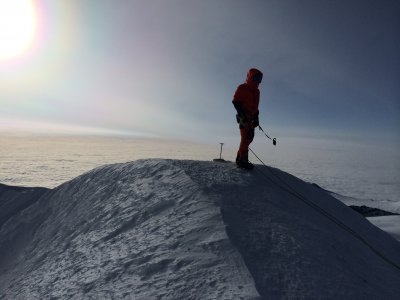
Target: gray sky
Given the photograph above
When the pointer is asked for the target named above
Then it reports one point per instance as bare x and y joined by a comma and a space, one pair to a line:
169, 68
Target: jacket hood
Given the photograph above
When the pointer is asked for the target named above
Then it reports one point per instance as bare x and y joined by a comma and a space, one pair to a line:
253, 73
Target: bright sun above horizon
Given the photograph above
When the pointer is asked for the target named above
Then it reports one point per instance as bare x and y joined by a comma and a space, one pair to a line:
18, 25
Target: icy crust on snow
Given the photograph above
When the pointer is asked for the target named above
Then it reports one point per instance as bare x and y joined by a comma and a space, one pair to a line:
169, 229
141, 230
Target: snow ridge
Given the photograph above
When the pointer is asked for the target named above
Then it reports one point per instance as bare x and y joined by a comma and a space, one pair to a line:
171, 229
14, 199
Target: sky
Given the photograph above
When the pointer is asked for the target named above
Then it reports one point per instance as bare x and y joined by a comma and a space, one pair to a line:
170, 68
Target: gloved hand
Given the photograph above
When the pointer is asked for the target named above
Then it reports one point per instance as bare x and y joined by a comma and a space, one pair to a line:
244, 122
240, 119
248, 125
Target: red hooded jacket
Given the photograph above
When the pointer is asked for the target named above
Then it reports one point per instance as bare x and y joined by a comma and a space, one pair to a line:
247, 96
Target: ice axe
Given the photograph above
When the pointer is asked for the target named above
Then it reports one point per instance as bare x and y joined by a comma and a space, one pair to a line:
272, 139
220, 159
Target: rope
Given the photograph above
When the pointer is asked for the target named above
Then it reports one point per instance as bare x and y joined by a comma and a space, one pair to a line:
286, 187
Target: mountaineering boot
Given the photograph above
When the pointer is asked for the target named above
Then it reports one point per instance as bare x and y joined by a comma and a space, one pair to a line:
244, 164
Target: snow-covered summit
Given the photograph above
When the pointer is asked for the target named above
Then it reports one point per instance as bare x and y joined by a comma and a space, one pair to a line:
167, 229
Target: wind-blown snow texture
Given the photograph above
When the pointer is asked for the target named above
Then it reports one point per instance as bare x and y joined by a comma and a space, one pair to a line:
155, 229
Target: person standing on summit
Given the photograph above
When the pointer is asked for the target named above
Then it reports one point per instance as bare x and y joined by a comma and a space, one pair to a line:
246, 100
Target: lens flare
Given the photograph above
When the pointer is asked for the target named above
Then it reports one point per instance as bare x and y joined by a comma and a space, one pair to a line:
18, 26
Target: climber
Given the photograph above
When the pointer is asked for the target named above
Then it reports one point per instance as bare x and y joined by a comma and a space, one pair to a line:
246, 100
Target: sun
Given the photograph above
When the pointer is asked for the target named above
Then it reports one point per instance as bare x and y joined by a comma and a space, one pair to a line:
18, 25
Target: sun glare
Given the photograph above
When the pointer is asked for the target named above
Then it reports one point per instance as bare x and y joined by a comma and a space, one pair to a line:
18, 24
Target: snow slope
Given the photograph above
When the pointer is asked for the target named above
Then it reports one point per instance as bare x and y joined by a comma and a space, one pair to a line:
166, 229
391, 206
390, 224
14, 199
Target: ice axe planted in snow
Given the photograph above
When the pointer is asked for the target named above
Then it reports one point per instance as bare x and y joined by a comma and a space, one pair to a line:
272, 139
220, 159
